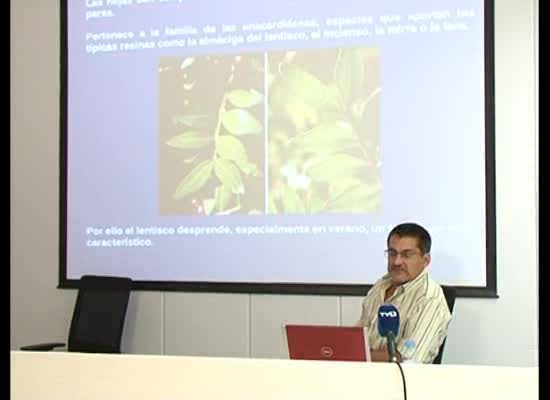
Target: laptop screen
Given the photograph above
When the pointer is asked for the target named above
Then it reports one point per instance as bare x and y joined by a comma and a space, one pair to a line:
325, 342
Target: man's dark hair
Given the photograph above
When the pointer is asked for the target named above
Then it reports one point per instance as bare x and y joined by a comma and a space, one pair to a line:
410, 229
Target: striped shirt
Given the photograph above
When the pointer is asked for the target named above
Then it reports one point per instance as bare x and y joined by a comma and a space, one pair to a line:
423, 314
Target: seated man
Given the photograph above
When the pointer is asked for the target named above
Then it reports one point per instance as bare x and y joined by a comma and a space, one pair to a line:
423, 312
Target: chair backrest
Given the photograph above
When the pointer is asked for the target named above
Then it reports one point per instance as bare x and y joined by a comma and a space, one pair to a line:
99, 314
450, 295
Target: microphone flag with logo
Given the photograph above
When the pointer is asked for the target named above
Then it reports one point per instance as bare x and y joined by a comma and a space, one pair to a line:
388, 327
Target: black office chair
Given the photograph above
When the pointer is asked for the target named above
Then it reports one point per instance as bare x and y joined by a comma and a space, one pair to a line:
450, 295
98, 317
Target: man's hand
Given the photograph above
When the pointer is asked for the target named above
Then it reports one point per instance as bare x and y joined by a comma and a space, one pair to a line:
382, 355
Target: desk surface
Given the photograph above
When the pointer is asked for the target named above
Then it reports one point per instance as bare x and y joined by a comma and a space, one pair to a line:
79, 376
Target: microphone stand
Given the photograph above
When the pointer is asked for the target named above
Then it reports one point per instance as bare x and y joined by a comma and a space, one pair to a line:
390, 338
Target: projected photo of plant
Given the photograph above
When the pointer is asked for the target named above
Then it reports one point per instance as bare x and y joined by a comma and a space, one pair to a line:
324, 145
211, 135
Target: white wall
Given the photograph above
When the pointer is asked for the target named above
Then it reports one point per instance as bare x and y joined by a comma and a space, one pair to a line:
501, 331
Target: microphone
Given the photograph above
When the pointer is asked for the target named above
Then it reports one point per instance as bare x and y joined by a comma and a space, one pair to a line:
388, 327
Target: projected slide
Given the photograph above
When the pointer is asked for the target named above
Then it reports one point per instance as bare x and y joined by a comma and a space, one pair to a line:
272, 142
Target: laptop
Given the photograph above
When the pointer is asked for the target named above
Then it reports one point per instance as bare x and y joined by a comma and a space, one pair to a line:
327, 342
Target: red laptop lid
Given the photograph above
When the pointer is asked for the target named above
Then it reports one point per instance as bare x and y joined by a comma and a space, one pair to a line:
323, 342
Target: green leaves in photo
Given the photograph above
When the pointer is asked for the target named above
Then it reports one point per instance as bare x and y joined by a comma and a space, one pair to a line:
190, 140
194, 120
195, 180
240, 122
231, 148
296, 85
349, 74
324, 161
326, 138
244, 98
335, 167
229, 175
222, 197
215, 146
292, 202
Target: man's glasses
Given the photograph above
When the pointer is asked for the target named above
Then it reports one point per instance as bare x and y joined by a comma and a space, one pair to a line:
405, 254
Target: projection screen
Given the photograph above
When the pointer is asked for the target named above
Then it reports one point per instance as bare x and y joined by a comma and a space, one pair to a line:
270, 146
